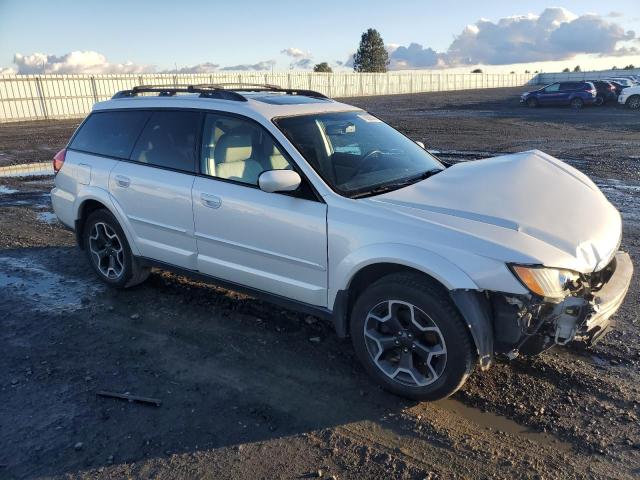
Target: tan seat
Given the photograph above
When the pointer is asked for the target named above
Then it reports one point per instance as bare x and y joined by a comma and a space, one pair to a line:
233, 161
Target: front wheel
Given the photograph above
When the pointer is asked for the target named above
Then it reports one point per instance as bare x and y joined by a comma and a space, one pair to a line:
410, 338
577, 103
599, 101
532, 103
634, 102
109, 253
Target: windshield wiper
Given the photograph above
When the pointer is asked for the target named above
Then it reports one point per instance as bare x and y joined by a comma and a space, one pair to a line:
387, 187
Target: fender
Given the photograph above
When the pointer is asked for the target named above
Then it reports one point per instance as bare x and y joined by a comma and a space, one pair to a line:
466, 295
105, 198
434, 265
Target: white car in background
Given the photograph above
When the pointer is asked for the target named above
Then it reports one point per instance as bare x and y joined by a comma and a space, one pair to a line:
630, 97
431, 269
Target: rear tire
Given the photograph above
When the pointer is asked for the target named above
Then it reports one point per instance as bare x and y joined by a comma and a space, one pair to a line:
410, 337
577, 103
633, 102
109, 253
599, 101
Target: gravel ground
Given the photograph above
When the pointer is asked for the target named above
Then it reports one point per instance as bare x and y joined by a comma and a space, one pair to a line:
246, 394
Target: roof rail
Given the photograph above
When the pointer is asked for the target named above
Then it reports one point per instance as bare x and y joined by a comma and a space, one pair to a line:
223, 91
205, 91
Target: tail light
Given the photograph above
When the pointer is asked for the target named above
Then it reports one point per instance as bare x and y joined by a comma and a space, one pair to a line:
58, 160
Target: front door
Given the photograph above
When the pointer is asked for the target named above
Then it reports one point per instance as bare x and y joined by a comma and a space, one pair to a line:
272, 242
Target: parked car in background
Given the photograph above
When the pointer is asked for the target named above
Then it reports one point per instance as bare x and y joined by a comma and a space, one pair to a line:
575, 94
625, 82
605, 91
630, 97
618, 86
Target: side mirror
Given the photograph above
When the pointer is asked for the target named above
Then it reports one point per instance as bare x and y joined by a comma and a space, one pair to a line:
279, 181
421, 145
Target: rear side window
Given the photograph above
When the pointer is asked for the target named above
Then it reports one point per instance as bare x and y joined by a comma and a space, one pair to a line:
569, 86
110, 133
169, 140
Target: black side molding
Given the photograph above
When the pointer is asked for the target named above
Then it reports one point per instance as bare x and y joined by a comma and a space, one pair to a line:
476, 311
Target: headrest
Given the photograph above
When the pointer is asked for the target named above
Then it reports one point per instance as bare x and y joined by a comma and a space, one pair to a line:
233, 147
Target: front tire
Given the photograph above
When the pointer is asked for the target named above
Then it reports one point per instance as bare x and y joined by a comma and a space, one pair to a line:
599, 101
109, 253
532, 103
633, 102
410, 338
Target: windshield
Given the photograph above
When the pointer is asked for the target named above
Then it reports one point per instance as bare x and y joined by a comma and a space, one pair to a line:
356, 153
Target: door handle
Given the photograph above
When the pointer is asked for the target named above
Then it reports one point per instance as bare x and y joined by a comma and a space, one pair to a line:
210, 201
122, 181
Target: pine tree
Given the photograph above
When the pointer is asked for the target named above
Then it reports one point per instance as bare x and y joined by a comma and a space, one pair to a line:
371, 55
322, 67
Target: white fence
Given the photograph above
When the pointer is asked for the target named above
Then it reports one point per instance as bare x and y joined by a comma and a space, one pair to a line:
39, 97
545, 78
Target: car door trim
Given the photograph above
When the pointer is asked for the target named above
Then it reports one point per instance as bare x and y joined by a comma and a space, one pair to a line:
158, 224
260, 251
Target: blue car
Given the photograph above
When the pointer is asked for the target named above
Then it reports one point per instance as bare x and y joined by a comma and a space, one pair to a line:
575, 94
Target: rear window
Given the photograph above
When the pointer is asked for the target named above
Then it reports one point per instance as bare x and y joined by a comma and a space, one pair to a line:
110, 133
169, 140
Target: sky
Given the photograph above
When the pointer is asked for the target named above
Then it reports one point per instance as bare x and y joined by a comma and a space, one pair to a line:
117, 36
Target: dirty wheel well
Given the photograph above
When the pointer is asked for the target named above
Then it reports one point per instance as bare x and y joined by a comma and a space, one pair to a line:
87, 208
367, 276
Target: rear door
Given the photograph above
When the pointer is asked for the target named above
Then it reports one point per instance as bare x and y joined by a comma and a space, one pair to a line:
567, 92
153, 187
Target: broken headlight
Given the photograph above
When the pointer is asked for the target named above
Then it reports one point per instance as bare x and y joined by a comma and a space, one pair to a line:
546, 282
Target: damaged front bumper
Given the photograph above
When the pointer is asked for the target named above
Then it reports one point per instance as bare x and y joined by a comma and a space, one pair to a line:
529, 325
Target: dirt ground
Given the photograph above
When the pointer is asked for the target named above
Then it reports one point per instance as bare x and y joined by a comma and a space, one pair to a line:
246, 394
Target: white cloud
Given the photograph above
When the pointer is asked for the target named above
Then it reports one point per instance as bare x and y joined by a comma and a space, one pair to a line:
260, 66
8, 71
555, 34
74, 62
300, 58
206, 67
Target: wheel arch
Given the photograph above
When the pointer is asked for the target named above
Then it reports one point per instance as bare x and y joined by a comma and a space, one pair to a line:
96, 200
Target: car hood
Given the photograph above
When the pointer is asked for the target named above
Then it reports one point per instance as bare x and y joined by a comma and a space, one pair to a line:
529, 202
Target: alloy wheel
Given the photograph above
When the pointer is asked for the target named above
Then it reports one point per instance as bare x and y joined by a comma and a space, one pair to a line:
634, 103
405, 343
107, 250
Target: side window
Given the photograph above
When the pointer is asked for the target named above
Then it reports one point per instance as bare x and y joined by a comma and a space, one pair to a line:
239, 150
568, 86
110, 133
169, 140
552, 88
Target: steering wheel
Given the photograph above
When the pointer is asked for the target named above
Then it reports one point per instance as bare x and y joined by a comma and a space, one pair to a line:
363, 160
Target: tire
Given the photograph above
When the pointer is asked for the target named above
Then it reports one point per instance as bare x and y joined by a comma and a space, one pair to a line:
577, 103
633, 102
109, 253
395, 297
532, 103
599, 101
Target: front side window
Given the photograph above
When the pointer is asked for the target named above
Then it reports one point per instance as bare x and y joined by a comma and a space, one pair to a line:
110, 133
356, 153
237, 149
552, 88
169, 140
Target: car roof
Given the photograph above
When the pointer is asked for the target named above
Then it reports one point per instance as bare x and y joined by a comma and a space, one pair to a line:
267, 105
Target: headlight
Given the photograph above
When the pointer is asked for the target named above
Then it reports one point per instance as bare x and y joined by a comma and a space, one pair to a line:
546, 282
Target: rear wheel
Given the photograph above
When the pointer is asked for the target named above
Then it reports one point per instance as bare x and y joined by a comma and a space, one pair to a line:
410, 337
577, 103
599, 100
633, 102
532, 103
109, 253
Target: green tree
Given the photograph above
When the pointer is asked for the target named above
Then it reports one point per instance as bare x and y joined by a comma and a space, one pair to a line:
577, 68
322, 68
566, 70
371, 55
629, 67
477, 70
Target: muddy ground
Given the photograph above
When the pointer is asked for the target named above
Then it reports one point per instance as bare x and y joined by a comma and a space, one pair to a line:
246, 394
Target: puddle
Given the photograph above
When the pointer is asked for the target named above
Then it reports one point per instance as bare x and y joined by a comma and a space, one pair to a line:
494, 422
47, 217
6, 190
25, 279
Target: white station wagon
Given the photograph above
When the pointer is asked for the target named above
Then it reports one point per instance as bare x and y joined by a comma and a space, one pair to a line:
430, 268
